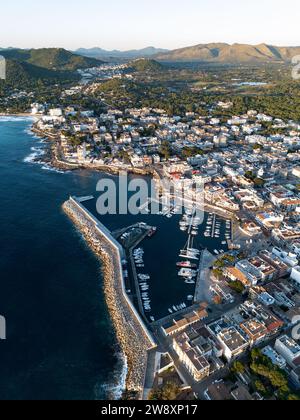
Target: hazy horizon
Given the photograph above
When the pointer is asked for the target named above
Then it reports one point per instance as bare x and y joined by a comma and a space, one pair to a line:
134, 24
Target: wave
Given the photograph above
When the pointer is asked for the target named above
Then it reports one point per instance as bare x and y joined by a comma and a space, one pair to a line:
47, 167
14, 118
114, 390
35, 155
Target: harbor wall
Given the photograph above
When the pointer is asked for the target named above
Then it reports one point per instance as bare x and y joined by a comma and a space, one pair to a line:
134, 337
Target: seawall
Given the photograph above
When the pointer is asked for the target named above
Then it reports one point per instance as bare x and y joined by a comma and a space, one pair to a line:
132, 333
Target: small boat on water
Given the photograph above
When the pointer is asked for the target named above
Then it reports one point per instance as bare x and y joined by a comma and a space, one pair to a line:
170, 310
190, 298
186, 264
190, 281
187, 272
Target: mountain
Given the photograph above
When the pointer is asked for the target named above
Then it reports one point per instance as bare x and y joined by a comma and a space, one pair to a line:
22, 74
51, 58
143, 65
236, 53
100, 53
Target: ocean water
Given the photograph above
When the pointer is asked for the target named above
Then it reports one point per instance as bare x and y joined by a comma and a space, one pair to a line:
60, 342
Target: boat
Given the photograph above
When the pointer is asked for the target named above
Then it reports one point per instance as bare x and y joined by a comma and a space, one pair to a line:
186, 264
187, 272
216, 252
190, 281
152, 232
152, 319
174, 308
190, 298
188, 255
170, 310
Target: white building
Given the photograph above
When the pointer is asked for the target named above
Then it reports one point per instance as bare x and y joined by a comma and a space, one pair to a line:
295, 275
275, 357
288, 349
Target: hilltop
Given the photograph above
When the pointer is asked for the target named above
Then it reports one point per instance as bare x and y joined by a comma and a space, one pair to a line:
22, 74
51, 58
117, 54
145, 65
236, 53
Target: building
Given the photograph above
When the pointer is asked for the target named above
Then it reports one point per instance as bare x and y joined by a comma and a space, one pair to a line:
232, 343
295, 275
289, 350
191, 356
179, 324
255, 330
234, 274
218, 391
274, 357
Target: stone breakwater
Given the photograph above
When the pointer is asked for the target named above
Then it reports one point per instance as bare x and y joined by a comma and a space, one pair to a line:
131, 335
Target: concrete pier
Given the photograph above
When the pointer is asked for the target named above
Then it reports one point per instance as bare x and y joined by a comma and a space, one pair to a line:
132, 333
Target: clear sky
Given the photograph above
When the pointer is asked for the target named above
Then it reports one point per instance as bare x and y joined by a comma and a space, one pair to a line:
127, 24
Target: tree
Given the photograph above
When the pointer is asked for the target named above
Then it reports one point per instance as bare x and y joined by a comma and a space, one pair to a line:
166, 150
167, 392
237, 286
238, 368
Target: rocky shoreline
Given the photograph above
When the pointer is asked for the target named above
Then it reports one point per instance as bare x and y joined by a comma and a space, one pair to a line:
130, 334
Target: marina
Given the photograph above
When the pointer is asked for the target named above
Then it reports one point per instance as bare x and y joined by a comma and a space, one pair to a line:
175, 242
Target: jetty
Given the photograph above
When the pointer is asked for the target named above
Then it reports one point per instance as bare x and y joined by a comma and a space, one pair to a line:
133, 335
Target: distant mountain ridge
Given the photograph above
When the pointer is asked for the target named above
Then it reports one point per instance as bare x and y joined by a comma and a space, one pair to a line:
130, 54
57, 59
235, 53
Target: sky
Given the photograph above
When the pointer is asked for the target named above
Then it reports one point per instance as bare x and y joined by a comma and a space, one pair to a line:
129, 24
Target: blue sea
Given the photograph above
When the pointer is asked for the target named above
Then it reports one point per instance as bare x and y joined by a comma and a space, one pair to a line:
60, 342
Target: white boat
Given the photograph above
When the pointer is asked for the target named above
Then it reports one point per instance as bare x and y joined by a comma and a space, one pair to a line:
190, 281
190, 297
187, 272
152, 318
170, 310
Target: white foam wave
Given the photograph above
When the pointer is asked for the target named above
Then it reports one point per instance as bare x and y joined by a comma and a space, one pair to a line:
114, 390
35, 155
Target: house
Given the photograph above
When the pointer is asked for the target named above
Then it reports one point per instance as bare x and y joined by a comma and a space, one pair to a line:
274, 357
234, 274
218, 391
255, 330
232, 342
289, 349
191, 355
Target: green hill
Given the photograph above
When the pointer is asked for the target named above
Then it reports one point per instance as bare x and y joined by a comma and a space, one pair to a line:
145, 65
51, 58
22, 74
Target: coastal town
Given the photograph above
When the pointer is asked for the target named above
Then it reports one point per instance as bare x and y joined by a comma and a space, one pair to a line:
241, 342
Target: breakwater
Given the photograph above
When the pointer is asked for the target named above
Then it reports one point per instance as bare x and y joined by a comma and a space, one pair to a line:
133, 335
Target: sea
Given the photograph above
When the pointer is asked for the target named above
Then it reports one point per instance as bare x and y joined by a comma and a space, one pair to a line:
60, 341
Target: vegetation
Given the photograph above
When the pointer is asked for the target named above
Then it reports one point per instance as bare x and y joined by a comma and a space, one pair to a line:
237, 286
269, 380
51, 58
168, 392
145, 65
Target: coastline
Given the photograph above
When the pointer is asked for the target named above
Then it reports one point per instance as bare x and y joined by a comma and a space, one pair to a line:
133, 341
